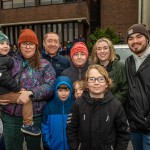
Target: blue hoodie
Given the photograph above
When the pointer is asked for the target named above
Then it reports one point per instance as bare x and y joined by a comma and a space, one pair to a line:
55, 118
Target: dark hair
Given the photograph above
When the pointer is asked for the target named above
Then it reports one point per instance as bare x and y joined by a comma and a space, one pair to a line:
63, 86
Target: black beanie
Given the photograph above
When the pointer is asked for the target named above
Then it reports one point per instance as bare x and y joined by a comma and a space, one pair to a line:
138, 28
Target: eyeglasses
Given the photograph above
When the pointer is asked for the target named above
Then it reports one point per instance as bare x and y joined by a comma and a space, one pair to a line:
99, 79
25, 44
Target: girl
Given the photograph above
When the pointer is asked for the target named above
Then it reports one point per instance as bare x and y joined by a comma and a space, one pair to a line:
97, 120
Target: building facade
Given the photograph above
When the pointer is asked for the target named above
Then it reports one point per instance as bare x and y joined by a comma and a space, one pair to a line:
69, 18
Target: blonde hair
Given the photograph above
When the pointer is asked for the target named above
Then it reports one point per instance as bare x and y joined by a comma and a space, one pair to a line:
45, 36
94, 57
102, 71
80, 82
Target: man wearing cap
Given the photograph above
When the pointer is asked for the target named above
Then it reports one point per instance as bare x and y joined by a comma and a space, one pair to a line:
138, 73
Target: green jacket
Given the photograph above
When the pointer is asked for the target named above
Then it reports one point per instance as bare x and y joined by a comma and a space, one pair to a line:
117, 73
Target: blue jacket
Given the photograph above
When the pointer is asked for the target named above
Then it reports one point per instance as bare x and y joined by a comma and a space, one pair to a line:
55, 117
59, 63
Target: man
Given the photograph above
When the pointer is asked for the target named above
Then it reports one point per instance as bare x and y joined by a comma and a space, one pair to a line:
51, 45
138, 73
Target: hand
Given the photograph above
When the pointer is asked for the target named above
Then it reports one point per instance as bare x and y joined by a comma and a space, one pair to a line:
24, 97
4, 102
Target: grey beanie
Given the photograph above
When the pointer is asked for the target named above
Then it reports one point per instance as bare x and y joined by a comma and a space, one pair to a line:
3, 37
138, 28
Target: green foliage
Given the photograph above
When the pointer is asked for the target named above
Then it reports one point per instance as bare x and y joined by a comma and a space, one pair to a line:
100, 33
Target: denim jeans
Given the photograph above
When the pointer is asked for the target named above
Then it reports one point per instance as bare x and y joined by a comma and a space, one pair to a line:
140, 141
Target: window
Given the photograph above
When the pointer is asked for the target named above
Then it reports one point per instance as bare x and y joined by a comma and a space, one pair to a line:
7, 4
29, 3
18, 3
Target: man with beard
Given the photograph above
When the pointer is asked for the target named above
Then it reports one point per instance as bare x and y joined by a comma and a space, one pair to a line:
138, 73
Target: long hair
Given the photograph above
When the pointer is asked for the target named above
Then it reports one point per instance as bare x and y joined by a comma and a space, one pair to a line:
94, 57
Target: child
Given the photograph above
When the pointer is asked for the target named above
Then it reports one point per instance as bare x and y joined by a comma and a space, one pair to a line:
55, 115
8, 84
78, 87
78, 62
97, 120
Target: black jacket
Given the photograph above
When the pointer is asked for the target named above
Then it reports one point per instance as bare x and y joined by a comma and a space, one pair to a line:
101, 124
75, 73
7, 82
138, 107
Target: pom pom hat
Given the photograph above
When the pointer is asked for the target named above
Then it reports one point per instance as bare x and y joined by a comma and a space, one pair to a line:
79, 47
138, 28
28, 35
3, 37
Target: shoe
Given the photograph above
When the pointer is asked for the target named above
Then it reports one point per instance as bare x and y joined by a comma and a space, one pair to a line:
31, 130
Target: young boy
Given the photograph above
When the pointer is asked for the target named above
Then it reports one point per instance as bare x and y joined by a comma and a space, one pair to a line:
97, 120
8, 84
78, 62
55, 115
78, 87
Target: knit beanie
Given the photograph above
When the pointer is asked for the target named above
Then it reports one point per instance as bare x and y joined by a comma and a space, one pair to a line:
79, 47
3, 37
138, 28
28, 35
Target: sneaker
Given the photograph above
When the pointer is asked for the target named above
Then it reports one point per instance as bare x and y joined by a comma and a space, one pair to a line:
31, 130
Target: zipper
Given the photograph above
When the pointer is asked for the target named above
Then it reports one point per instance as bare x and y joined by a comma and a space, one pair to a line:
79, 146
63, 125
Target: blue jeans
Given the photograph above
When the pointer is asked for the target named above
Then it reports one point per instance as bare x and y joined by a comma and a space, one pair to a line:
140, 141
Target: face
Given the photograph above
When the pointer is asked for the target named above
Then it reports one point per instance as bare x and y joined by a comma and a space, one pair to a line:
78, 91
96, 88
137, 43
79, 59
51, 44
63, 94
4, 48
27, 49
103, 51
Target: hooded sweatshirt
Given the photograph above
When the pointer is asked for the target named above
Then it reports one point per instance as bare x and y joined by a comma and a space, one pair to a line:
55, 117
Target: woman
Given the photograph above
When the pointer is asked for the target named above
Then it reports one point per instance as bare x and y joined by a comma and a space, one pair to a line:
103, 53
36, 76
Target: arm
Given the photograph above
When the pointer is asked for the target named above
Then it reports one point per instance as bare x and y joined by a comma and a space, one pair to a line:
73, 127
122, 130
45, 126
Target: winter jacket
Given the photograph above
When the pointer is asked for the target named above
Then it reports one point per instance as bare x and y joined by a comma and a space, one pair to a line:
39, 81
97, 124
59, 63
7, 82
75, 73
138, 107
117, 73
55, 117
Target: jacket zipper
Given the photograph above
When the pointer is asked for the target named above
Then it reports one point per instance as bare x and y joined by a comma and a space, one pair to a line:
79, 146
63, 125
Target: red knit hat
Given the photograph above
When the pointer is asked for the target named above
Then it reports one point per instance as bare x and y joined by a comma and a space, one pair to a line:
79, 47
28, 35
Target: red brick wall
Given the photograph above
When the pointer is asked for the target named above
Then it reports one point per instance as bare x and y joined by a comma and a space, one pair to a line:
120, 14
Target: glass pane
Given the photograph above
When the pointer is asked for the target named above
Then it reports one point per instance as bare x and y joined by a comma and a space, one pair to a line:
54, 28
45, 2
65, 33
29, 3
57, 1
60, 32
18, 3
48, 28
76, 30
71, 32
7, 5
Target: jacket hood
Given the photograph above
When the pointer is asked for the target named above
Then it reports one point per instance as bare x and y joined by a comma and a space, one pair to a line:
93, 101
63, 80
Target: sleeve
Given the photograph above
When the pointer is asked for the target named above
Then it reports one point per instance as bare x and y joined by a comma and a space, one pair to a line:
6, 80
73, 127
45, 89
122, 130
45, 126
122, 93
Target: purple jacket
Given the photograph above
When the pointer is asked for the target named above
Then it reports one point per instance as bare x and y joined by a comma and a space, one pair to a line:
40, 82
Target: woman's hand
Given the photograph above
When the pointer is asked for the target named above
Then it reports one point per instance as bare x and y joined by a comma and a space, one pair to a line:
24, 97
4, 102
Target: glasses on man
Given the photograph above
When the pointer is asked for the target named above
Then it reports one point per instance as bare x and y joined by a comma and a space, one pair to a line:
99, 79
26, 44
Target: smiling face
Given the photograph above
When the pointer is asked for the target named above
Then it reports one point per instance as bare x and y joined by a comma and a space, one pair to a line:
137, 43
96, 88
63, 94
4, 47
78, 90
51, 43
27, 49
103, 52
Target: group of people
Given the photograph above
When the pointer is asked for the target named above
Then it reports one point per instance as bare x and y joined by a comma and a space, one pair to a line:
74, 104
